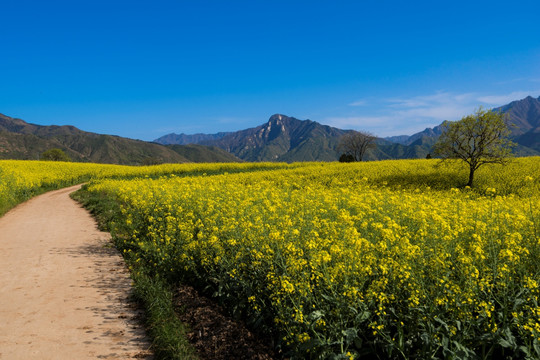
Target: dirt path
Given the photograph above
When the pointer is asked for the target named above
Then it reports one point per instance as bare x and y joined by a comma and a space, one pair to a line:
63, 291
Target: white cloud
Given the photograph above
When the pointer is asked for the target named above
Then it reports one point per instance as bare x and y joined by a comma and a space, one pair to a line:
358, 103
504, 99
358, 122
407, 115
437, 112
437, 99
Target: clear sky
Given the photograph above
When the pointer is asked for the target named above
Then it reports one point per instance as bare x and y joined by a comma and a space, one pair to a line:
143, 69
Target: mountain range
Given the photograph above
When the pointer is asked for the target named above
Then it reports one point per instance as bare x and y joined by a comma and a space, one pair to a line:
523, 116
21, 140
288, 139
281, 138
285, 138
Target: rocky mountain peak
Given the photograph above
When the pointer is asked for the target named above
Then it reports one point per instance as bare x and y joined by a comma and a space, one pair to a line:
277, 119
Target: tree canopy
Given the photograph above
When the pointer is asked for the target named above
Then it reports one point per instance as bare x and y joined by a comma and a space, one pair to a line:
477, 139
55, 155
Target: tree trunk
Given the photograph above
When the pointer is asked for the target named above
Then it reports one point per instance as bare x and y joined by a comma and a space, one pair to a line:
471, 177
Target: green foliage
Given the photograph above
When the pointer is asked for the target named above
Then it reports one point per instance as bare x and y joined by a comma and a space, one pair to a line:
55, 155
478, 139
169, 334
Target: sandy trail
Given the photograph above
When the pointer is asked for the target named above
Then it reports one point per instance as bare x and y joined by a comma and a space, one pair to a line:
64, 292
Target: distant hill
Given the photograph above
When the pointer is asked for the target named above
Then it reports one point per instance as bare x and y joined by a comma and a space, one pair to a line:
22, 140
525, 132
525, 116
282, 138
201, 153
285, 138
409, 139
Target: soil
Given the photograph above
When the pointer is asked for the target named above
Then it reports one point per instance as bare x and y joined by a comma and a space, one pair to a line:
214, 335
64, 290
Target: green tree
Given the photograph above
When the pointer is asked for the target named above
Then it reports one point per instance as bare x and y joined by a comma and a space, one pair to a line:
55, 155
477, 139
354, 145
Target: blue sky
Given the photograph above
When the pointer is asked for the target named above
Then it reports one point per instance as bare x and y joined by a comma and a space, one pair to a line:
143, 69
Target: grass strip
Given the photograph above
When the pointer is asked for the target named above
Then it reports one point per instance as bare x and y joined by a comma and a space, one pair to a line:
168, 333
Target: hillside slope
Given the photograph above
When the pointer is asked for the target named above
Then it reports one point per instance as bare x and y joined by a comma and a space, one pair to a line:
22, 140
284, 138
523, 115
203, 153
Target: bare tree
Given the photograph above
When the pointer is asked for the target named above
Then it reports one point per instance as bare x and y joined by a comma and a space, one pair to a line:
477, 139
355, 143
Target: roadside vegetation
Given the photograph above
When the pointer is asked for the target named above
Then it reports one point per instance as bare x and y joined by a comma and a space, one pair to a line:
22, 179
389, 260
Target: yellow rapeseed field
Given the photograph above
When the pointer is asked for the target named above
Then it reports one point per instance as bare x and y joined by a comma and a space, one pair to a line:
20, 180
390, 257
394, 258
